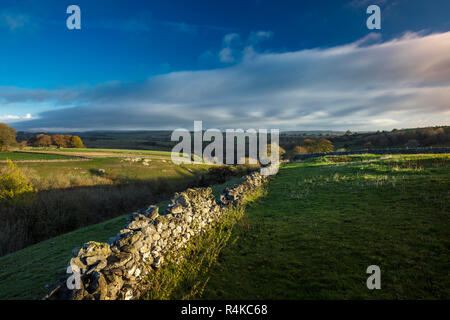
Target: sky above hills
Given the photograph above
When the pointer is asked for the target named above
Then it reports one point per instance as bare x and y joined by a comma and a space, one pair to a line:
292, 65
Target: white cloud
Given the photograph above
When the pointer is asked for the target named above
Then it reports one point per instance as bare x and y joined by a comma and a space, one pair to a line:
8, 118
404, 82
15, 21
229, 38
226, 55
235, 49
258, 36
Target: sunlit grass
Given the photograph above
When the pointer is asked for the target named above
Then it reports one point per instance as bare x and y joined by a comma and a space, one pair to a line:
25, 273
20, 156
323, 223
185, 274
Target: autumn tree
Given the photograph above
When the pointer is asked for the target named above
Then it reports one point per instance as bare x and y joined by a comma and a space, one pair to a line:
23, 144
7, 136
67, 139
41, 140
76, 142
324, 145
14, 185
60, 141
321, 145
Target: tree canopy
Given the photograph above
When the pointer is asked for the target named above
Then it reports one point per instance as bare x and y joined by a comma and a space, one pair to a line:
75, 142
321, 145
7, 136
59, 140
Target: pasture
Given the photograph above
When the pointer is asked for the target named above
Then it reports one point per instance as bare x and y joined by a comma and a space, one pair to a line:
324, 221
71, 194
311, 235
27, 156
24, 274
100, 152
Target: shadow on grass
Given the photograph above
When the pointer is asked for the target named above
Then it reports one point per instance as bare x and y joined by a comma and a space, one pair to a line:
53, 212
24, 273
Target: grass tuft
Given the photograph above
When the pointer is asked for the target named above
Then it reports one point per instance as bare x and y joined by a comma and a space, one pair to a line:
185, 274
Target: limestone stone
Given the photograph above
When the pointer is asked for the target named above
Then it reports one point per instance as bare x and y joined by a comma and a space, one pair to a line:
114, 270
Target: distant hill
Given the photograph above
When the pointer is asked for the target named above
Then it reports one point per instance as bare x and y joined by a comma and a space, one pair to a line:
415, 137
160, 140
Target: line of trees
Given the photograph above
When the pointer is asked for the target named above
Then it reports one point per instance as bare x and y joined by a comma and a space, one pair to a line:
59, 140
419, 137
8, 139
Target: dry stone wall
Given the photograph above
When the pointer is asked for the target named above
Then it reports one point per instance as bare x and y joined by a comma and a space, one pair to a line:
115, 270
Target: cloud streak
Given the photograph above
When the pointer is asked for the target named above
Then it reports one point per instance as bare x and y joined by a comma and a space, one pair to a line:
14, 21
234, 48
10, 118
404, 82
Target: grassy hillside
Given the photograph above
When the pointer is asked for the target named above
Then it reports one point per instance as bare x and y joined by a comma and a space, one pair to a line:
51, 175
412, 138
73, 194
320, 225
324, 222
25, 273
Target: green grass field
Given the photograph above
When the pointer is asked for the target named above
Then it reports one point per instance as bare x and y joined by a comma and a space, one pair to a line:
73, 194
25, 273
20, 156
323, 223
320, 225
115, 169
50, 175
88, 151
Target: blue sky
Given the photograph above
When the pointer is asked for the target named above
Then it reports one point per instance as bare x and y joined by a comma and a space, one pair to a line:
297, 65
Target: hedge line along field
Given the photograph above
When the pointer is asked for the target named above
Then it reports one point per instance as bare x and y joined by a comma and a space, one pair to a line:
324, 221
